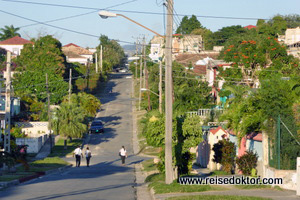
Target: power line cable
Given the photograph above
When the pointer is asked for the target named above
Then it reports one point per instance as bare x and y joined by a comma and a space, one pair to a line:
136, 12
78, 15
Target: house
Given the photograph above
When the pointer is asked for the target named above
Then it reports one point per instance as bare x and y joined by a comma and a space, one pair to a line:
208, 68
188, 44
14, 45
251, 142
292, 40
205, 148
75, 53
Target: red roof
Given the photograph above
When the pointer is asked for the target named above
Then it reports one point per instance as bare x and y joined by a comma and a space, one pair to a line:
177, 35
200, 69
15, 41
249, 27
214, 131
71, 44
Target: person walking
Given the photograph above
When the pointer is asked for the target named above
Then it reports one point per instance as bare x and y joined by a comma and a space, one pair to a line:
78, 154
88, 155
123, 154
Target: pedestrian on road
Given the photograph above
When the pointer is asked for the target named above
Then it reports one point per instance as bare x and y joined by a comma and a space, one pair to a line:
123, 154
78, 154
88, 155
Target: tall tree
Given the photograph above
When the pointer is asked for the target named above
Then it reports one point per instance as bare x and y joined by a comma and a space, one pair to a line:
70, 121
9, 32
187, 25
44, 56
222, 35
89, 103
113, 53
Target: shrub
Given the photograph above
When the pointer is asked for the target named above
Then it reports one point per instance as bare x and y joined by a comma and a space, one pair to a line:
225, 154
247, 162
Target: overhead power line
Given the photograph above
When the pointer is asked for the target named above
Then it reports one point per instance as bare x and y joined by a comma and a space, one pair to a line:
135, 11
79, 15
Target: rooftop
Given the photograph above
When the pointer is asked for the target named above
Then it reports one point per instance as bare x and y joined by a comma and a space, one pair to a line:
15, 41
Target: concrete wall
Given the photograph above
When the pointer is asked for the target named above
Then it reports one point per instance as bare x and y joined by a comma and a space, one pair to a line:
34, 144
289, 177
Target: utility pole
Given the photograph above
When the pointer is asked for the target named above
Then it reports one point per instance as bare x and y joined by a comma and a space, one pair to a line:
70, 85
160, 87
49, 112
146, 76
7, 104
144, 56
278, 142
136, 53
141, 75
168, 92
101, 59
96, 58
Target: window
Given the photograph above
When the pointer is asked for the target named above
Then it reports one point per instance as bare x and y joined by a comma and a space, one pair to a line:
16, 51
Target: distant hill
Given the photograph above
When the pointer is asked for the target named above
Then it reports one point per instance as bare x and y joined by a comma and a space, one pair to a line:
129, 49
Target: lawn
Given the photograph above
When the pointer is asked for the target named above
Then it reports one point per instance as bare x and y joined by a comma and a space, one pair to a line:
216, 197
59, 151
46, 164
149, 165
157, 183
219, 173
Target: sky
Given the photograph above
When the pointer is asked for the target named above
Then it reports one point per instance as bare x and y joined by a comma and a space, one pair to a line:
85, 28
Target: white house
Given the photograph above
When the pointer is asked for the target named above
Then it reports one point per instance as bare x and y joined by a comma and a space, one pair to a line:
75, 53
14, 45
205, 148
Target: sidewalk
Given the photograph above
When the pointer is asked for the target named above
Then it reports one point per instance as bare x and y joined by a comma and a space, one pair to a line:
142, 191
265, 193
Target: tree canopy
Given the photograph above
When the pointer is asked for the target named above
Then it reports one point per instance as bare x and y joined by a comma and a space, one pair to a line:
9, 32
187, 25
45, 56
113, 54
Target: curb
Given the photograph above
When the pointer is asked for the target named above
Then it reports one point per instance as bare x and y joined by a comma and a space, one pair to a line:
32, 177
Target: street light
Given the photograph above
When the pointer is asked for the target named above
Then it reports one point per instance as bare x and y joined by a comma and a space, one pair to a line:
105, 14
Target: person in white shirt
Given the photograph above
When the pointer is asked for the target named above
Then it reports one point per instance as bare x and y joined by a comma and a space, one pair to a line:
78, 154
88, 155
123, 154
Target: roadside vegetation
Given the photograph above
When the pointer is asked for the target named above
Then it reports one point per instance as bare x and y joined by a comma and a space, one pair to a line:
216, 197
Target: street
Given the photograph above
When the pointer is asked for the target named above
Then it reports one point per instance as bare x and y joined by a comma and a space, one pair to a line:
106, 178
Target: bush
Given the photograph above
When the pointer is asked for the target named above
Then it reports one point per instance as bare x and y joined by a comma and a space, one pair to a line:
247, 162
225, 154
16, 132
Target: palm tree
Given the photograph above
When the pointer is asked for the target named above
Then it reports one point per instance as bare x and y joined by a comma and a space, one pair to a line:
89, 103
70, 121
9, 32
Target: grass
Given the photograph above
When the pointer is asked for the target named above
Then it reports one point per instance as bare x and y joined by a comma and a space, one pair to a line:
247, 187
157, 183
10, 177
219, 173
149, 165
152, 151
216, 197
46, 164
59, 151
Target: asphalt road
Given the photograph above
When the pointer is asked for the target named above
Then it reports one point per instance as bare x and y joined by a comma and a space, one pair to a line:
106, 178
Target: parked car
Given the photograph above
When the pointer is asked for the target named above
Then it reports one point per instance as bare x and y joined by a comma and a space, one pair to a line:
96, 127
